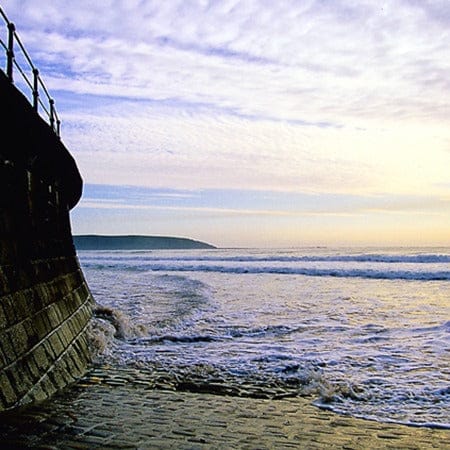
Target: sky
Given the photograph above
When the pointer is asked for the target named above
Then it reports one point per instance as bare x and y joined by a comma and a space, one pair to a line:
252, 123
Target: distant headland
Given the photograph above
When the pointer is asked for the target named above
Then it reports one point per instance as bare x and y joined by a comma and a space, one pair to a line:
100, 242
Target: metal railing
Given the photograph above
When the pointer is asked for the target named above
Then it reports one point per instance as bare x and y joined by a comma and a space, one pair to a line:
36, 85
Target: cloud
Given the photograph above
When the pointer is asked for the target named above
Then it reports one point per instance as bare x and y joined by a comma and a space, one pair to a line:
258, 203
161, 145
292, 60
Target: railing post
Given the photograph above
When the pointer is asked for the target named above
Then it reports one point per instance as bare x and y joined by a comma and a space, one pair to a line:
10, 52
14, 40
35, 89
52, 114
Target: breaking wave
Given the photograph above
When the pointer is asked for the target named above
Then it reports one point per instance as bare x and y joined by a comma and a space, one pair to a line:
382, 273
390, 266
378, 258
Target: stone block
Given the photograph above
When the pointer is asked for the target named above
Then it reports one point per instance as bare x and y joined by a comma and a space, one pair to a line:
19, 380
7, 393
54, 316
4, 282
23, 304
41, 358
19, 339
3, 319
7, 303
57, 377
51, 352
7, 348
41, 325
66, 335
63, 309
33, 367
33, 336
48, 386
42, 290
55, 342
37, 394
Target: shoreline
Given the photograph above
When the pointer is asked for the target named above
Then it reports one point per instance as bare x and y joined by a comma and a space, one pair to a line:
105, 410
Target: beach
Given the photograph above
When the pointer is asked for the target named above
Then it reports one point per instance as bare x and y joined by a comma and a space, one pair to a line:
257, 349
110, 408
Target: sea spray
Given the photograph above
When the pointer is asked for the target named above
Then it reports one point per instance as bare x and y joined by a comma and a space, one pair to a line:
111, 329
107, 325
122, 323
100, 336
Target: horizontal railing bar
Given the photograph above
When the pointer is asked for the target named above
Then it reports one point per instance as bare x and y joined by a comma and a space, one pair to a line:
25, 53
4, 15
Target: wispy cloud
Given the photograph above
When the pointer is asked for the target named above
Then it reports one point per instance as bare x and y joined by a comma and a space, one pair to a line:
166, 147
350, 59
259, 203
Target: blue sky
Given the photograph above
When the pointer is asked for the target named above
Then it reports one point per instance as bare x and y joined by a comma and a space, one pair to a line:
252, 123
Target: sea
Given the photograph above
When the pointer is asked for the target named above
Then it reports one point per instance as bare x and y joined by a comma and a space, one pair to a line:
363, 332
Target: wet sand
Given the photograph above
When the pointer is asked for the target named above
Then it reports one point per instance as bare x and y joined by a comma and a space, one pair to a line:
107, 411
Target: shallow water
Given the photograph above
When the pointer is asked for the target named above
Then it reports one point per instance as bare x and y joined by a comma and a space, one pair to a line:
365, 332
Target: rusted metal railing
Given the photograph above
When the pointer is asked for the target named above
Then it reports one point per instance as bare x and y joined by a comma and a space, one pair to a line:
36, 85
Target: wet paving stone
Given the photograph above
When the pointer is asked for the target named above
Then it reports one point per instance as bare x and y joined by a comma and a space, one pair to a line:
107, 414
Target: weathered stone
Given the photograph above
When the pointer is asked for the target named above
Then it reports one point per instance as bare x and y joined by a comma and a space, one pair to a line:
3, 318
45, 303
19, 338
7, 392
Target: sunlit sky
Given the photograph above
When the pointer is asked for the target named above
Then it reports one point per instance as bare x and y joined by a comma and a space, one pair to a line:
252, 123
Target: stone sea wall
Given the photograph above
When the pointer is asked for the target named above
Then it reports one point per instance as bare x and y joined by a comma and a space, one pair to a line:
45, 303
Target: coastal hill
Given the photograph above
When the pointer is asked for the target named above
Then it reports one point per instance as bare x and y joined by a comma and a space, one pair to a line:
99, 242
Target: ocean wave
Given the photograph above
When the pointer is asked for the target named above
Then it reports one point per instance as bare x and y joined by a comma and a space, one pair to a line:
364, 257
227, 333
383, 273
445, 327
363, 401
176, 339
264, 330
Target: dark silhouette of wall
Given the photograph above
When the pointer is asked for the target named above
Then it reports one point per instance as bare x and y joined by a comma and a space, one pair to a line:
45, 303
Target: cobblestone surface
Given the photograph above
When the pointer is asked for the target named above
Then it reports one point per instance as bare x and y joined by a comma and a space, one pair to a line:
107, 411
